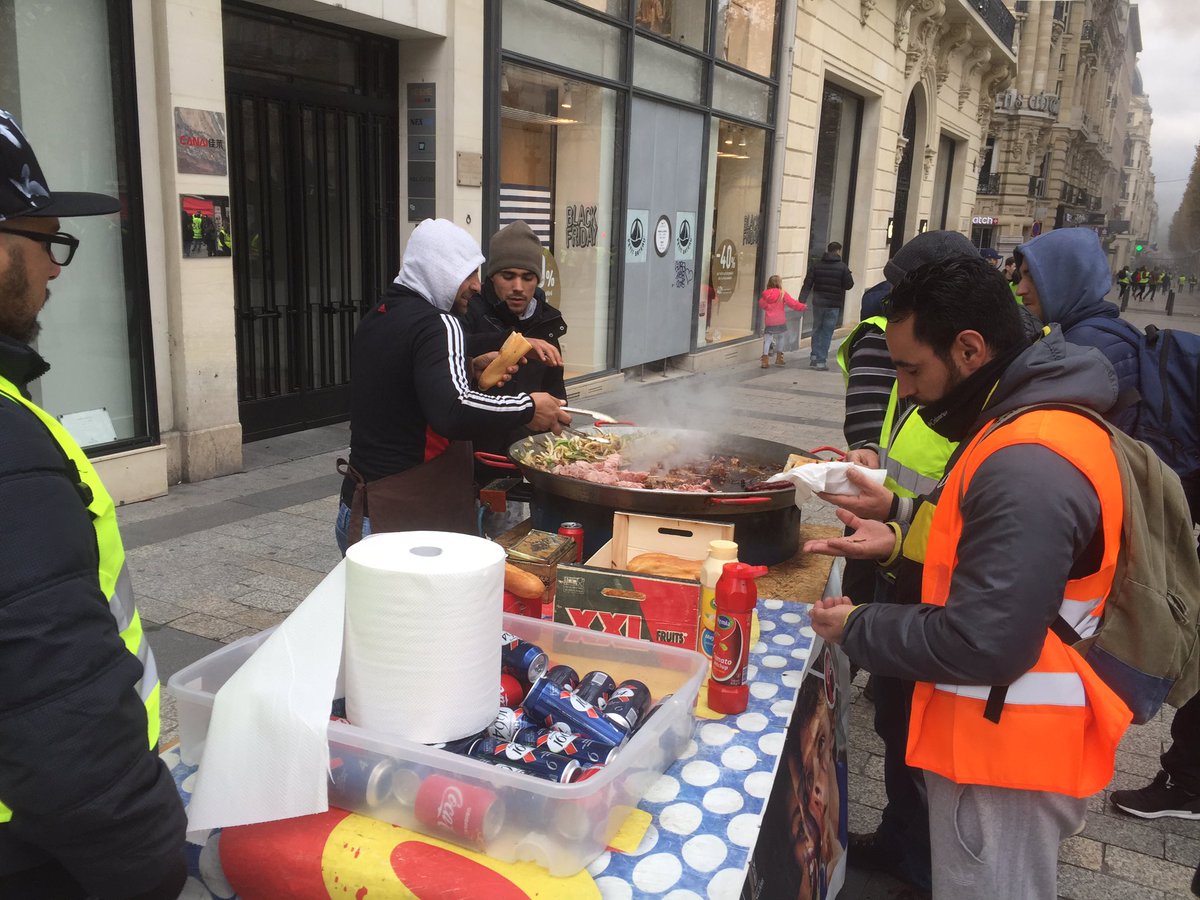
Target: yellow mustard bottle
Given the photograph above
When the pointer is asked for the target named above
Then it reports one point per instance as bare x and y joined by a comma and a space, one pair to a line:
719, 553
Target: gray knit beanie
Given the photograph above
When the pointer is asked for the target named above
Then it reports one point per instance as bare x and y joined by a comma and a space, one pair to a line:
932, 246
514, 246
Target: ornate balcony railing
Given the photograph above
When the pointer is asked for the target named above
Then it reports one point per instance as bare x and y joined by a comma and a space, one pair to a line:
998, 18
1087, 32
989, 183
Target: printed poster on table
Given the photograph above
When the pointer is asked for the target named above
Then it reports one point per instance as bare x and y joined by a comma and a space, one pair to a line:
801, 849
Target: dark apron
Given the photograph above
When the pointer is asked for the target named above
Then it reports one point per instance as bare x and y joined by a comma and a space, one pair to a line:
437, 495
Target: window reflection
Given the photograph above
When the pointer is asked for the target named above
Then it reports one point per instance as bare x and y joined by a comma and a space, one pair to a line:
746, 34
682, 21
559, 143
735, 191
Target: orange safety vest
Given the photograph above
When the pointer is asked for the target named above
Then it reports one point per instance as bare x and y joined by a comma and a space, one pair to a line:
1060, 723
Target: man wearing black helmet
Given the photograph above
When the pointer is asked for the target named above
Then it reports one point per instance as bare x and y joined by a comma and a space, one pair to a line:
86, 807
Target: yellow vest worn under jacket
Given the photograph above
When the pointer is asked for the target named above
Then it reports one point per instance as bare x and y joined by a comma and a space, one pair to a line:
113, 574
843, 354
914, 455
1060, 723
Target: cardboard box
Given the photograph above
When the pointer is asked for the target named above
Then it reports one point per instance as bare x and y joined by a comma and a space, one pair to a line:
550, 550
603, 596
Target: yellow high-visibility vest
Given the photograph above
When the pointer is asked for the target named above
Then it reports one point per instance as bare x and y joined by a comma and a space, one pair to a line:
112, 572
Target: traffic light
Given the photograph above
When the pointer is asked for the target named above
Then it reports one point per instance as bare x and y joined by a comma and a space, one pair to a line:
1137, 248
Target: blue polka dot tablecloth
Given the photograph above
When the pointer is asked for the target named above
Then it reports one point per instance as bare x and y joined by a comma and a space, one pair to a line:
706, 808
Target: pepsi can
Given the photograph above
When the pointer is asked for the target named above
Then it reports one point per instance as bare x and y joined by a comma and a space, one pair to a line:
523, 758
628, 704
553, 706
508, 722
563, 676
357, 782
595, 688
588, 752
521, 658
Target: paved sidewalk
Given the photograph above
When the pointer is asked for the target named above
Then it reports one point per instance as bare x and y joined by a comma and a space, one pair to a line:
224, 558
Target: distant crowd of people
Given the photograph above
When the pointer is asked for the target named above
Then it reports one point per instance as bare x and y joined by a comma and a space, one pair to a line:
1140, 281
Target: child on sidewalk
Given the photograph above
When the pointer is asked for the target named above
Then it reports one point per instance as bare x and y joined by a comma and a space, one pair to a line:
772, 303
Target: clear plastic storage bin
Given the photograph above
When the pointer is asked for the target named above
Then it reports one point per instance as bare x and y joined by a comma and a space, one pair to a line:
505, 814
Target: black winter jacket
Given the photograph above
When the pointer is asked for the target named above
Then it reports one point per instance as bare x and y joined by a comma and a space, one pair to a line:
488, 323
85, 789
408, 377
827, 281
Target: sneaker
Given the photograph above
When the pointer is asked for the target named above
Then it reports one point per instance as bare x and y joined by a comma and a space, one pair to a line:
1162, 797
876, 853
821, 367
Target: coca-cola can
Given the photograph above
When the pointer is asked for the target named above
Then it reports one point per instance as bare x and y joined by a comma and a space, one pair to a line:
574, 530
467, 813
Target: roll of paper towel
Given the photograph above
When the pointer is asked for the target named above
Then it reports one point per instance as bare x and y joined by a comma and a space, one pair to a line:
423, 621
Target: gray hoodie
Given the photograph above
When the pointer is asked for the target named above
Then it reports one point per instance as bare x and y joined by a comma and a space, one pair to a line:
1028, 516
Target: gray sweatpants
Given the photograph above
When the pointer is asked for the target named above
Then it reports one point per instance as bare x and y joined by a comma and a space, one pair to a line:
996, 843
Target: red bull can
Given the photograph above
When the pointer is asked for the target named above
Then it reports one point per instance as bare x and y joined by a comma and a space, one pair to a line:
466, 812
563, 676
524, 758
595, 687
358, 782
628, 704
552, 706
520, 658
573, 746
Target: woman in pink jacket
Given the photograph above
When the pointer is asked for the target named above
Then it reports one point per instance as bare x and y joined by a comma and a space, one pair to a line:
772, 303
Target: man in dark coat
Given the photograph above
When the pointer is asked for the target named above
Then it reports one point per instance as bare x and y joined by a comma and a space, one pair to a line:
827, 282
510, 300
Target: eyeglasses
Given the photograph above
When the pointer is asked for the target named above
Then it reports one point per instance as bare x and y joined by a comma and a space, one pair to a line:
61, 246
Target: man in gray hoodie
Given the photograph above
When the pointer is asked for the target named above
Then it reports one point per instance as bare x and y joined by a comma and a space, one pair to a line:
1018, 527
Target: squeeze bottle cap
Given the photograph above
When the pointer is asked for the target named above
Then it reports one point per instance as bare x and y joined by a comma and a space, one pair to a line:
723, 549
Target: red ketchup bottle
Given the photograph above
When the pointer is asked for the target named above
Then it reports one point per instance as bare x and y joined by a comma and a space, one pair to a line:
736, 598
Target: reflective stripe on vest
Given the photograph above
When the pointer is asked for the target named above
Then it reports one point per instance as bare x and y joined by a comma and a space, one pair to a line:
843, 353
113, 575
914, 454
1060, 725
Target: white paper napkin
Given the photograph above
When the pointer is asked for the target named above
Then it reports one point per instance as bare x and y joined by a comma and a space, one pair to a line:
829, 477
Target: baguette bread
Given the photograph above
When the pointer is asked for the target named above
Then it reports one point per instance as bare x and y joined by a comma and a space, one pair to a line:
665, 564
524, 584
515, 346
796, 459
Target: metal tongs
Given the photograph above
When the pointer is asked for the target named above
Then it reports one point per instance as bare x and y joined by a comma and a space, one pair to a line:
598, 417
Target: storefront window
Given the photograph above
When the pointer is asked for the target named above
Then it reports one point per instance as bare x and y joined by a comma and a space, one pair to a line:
560, 142
667, 71
681, 21
558, 35
746, 34
618, 8
73, 112
728, 290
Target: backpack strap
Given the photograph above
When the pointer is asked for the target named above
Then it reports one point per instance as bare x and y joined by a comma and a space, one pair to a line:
357, 502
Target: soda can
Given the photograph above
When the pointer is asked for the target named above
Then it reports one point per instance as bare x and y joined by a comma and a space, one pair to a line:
586, 772
511, 692
574, 530
563, 676
464, 812
573, 746
595, 687
552, 706
357, 782
628, 704
521, 658
655, 708
460, 746
523, 758
508, 722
